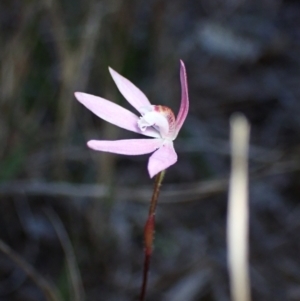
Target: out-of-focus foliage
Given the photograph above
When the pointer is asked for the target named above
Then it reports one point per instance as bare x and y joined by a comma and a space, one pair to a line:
241, 55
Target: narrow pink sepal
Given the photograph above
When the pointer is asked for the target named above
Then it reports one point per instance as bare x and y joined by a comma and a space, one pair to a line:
113, 113
126, 147
130, 92
184, 105
164, 157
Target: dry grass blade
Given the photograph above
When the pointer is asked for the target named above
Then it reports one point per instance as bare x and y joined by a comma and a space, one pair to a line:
75, 66
48, 289
171, 194
77, 291
238, 212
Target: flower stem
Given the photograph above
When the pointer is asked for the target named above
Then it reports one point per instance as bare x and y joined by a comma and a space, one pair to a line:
149, 232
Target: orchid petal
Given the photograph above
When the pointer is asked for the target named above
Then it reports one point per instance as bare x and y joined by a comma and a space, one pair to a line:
184, 105
156, 120
130, 92
164, 157
126, 147
113, 113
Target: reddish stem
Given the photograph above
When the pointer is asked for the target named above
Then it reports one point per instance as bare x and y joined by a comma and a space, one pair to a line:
149, 232
145, 276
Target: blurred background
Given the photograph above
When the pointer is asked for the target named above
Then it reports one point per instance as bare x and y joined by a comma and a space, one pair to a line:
76, 216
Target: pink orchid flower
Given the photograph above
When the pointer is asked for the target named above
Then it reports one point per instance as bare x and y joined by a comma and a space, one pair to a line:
156, 121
